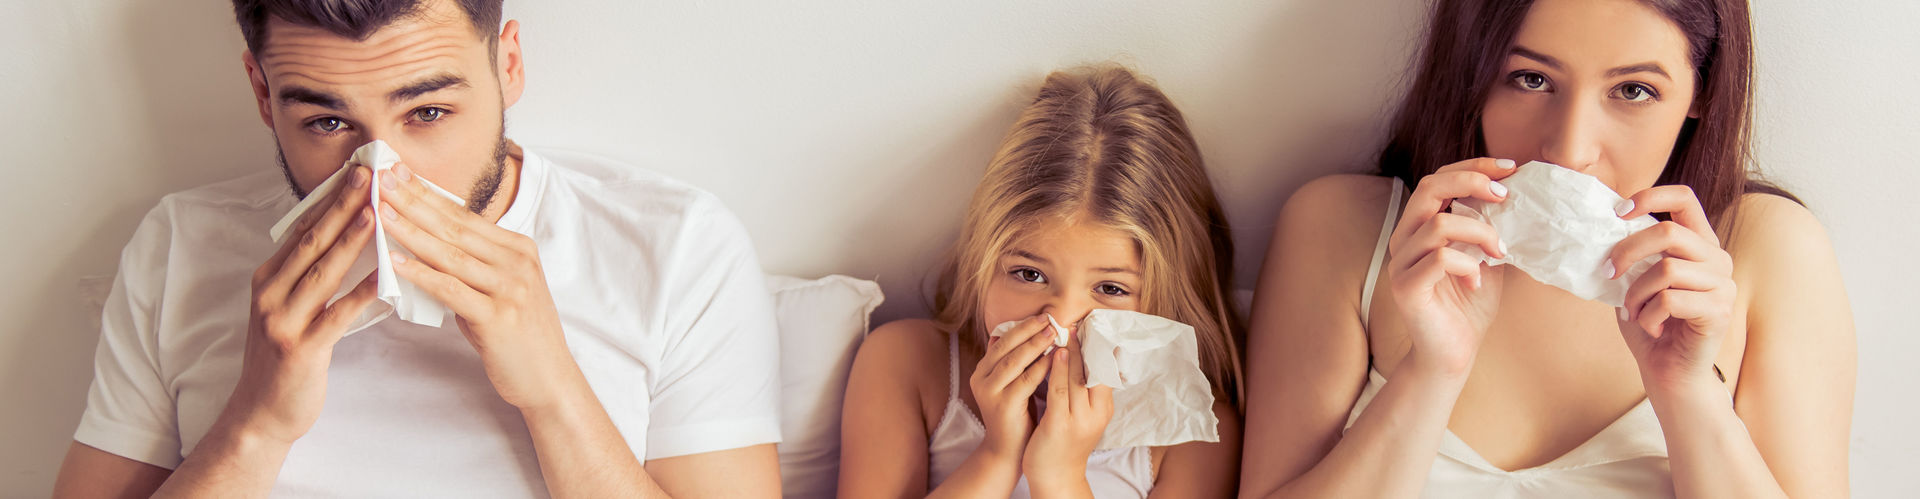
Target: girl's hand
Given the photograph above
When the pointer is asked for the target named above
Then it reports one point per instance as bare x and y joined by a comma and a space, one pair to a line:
1075, 418
1678, 311
1447, 297
1005, 378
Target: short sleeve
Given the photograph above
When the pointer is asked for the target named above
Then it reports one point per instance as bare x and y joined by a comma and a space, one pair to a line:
130, 409
717, 387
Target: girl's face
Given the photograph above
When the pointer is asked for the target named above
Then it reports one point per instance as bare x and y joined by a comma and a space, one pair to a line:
1063, 269
1598, 86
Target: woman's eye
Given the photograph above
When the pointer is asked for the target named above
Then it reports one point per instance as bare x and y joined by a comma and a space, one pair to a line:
1531, 81
428, 114
1111, 290
327, 125
1028, 275
1635, 92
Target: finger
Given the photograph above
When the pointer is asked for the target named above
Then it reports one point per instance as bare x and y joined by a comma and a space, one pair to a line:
1100, 399
291, 239
1059, 385
1671, 273
1018, 359
1028, 381
322, 234
1677, 201
1021, 331
441, 217
334, 320
456, 295
438, 253
1436, 193
1442, 231
1437, 265
323, 279
1652, 317
1667, 238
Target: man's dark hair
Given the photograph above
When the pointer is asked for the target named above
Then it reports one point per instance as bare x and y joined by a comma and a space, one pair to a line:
355, 19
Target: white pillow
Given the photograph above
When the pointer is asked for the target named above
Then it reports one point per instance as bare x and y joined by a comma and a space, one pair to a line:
821, 324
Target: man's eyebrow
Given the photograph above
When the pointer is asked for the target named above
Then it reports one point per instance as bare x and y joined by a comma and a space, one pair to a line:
425, 86
1542, 58
295, 94
1644, 67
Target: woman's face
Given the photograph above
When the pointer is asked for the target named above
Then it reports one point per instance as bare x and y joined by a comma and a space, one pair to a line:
1064, 269
1598, 86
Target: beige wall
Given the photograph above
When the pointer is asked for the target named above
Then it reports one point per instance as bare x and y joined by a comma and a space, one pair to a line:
847, 135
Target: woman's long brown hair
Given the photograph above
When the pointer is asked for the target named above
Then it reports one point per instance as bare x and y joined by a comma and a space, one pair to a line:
1468, 40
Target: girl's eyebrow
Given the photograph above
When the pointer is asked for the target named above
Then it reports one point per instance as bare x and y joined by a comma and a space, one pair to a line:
1101, 270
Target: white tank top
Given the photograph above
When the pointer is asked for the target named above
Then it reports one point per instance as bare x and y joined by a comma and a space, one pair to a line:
1112, 473
1626, 459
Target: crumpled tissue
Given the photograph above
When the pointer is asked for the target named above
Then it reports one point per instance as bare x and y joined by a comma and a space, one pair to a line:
400, 296
1160, 396
1558, 226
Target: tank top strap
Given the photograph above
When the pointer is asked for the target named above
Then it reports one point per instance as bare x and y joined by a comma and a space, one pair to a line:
1380, 250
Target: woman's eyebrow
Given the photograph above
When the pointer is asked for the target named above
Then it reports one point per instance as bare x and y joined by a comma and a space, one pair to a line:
1644, 67
1539, 57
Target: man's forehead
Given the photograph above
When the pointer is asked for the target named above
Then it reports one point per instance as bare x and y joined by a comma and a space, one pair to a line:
421, 43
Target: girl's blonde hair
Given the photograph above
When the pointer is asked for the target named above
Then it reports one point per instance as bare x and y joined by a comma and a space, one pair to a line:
1102, 145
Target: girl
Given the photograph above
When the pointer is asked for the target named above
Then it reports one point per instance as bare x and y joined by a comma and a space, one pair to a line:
1386, 364
1097, 199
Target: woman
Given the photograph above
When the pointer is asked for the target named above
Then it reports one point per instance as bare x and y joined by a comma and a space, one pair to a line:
1383, 363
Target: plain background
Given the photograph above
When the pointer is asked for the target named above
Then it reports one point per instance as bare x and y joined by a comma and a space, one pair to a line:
848, 135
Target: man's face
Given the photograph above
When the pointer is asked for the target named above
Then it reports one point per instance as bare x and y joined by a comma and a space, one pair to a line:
428, 85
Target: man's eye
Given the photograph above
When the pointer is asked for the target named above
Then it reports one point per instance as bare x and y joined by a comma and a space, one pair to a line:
428, 114
327, 125
1028, 275
1531, 81
1635, 92
1112, 290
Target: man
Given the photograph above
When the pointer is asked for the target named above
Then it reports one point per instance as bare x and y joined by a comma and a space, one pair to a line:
611, 336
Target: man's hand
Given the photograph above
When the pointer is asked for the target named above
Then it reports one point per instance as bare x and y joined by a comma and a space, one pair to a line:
292, 328
491, 278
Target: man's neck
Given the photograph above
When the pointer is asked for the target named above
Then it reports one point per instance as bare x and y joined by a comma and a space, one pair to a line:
503, 198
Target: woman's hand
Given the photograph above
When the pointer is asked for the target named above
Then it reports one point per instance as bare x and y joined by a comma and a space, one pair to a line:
1075, 418
1447, 297
1005, 378
1678, 311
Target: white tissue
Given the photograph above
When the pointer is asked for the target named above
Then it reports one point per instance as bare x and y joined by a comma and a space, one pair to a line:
401, 297
1558, 226
1160, 396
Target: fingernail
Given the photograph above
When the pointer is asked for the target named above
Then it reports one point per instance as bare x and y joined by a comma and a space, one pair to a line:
401, 170
1498, 189
366, 215
1623, 313
1611, 270
386, 181
1504, 164
1503, 249
386, 211
396, 257
358, 177
1623, 208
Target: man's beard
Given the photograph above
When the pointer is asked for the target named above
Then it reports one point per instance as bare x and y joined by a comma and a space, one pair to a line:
478, 198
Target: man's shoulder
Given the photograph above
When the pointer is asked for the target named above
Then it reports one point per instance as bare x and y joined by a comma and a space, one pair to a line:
612, 193
235, 204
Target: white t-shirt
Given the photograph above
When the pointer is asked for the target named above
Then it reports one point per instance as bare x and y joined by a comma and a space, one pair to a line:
657, 286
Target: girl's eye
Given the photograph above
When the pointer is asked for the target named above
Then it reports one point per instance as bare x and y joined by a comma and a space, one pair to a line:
1635, 92
1531, 81
428, 114
1028, 275
1111, 289
326, 125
